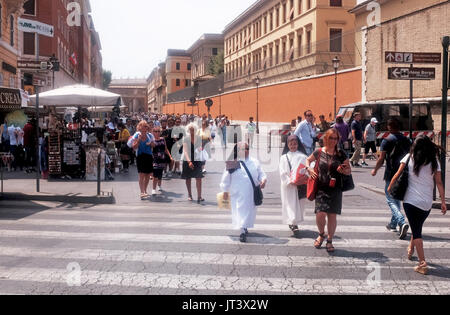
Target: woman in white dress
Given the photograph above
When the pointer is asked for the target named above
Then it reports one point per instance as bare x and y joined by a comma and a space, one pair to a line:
293, 209
237, 185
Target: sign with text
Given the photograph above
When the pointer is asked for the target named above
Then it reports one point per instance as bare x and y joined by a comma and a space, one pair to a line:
404, 73
36, 65
410, 57
31, 26
10, 99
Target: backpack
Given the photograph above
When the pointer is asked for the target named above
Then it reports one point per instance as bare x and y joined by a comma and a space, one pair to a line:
399, 151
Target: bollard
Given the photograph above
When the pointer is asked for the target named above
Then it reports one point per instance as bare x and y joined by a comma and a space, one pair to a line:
1, 174
99, 173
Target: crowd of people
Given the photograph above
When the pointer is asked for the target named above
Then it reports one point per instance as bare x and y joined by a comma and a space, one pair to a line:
20, 143
330, 173
180, 145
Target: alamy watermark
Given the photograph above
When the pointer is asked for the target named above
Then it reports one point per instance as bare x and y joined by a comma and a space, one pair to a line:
73, 278
374, 278
374, 17
74, 16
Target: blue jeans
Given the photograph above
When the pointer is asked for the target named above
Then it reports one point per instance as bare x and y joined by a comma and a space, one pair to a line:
395, 205
224, 136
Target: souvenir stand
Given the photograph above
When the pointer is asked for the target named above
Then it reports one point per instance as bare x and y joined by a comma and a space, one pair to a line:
11, 100
78, 149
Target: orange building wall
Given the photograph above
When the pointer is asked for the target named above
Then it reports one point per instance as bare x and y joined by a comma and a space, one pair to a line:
283, 102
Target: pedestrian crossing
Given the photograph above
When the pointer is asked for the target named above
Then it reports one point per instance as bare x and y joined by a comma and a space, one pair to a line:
190, 249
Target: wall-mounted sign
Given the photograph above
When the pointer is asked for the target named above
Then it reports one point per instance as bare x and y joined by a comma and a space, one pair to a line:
10, 99
9, 68
410, 57
31, 26
405, 73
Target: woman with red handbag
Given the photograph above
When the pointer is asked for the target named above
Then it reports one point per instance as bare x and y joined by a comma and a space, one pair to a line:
332, 164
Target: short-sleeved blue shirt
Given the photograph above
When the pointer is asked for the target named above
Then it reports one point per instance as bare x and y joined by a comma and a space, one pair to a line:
143, 147
356, 125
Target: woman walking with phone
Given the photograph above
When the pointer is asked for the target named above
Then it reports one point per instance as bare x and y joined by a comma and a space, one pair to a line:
333, 163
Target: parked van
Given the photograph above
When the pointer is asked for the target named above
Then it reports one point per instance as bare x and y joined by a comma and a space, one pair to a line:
384, 110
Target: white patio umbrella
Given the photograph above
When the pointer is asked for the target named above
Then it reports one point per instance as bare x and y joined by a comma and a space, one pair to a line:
103, 109
77, 95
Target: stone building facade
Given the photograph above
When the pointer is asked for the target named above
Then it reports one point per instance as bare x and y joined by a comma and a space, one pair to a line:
404, 26
10, 10
133, 92
283, 40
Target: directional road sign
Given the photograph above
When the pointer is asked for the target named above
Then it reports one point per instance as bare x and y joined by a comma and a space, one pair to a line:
31, 26
410, 57
404, 73
35, 65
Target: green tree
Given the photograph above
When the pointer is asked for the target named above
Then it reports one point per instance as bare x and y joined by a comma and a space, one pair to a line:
216, 64
107, 78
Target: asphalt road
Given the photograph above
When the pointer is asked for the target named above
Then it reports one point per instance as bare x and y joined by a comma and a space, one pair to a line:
167, 245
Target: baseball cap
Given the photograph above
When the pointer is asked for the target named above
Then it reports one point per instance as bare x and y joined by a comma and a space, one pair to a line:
374, 120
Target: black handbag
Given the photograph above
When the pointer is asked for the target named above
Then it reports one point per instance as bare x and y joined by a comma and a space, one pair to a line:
257, 191
398, 190
347, 183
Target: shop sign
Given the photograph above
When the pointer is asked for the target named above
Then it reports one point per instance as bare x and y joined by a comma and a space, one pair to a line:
9, 68
10, 99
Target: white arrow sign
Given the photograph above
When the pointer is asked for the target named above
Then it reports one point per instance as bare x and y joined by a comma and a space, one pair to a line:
31, 26
390, 57
396, 72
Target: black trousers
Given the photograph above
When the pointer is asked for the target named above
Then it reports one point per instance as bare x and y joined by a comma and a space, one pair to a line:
416, 218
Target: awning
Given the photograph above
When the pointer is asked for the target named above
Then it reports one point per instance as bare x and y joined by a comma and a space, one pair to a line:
77, 95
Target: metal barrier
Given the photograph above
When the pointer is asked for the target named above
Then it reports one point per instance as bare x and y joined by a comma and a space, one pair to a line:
281, 134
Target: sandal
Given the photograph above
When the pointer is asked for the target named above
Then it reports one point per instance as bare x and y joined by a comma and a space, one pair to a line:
190, 198
317, 243
330, 249
200, 200
422, 268
410, 253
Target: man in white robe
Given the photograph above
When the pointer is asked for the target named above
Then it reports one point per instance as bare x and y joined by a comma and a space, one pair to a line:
237, 185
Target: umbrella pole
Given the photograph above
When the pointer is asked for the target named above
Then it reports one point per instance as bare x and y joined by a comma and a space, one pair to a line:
38, 160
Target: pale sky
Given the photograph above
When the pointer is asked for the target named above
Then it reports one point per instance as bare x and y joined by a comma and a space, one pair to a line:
136, 34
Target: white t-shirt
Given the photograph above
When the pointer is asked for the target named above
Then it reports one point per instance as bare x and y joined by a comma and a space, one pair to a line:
420, 188
12, 135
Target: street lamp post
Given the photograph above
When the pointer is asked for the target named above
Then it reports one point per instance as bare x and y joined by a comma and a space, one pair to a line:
336, 63
220, 102
257, 104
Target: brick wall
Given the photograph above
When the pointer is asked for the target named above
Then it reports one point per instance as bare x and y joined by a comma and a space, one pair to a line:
283, 102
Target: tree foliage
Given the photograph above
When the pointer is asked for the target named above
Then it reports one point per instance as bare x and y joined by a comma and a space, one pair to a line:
107, 78
216, 64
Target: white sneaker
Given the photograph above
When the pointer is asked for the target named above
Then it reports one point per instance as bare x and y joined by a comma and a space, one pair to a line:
153, 192
159, 190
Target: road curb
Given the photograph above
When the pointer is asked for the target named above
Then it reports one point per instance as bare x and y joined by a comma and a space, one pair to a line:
104, 199
436, 205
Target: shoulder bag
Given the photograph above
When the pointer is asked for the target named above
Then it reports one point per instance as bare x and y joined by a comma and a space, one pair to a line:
398, 190
257, 191
300, 188
347, 182
312, 184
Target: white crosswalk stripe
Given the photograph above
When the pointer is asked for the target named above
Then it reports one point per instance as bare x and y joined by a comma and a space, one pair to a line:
43, 244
